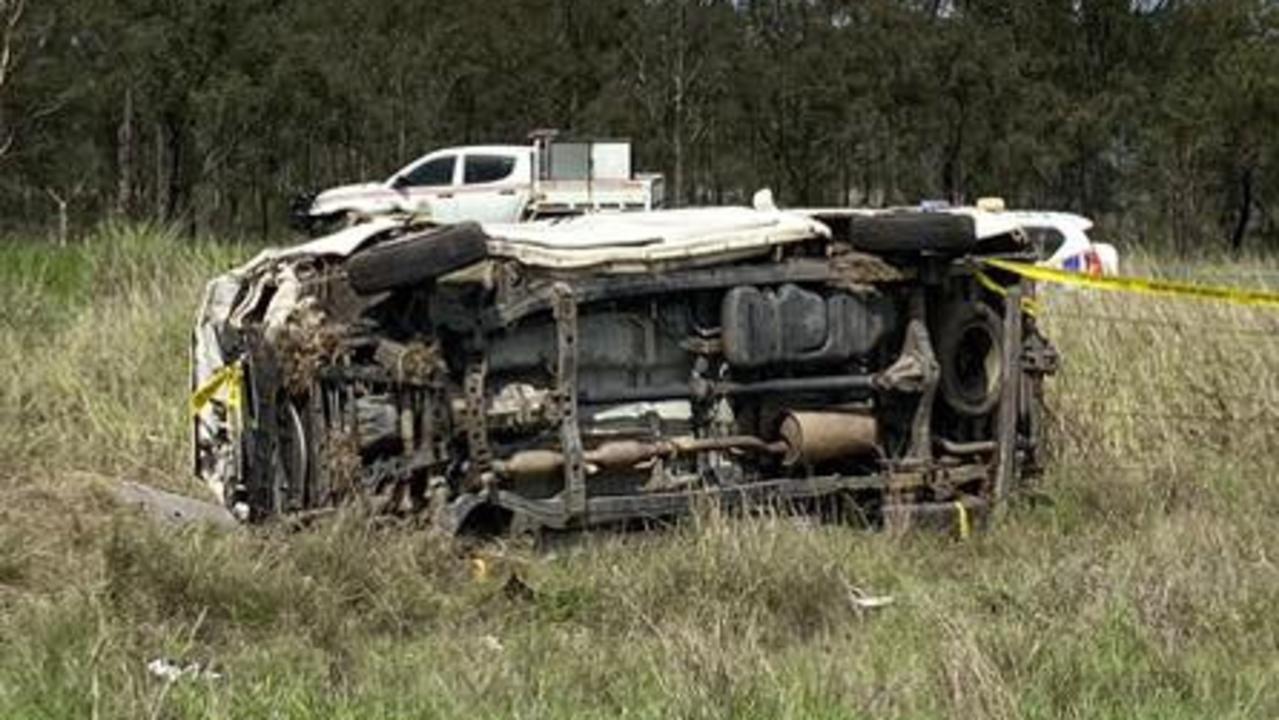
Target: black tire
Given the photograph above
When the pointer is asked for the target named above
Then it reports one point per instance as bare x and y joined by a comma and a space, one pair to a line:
416, 259
913, 232
970, 352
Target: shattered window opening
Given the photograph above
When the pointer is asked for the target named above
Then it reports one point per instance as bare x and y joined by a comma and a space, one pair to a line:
1045, 240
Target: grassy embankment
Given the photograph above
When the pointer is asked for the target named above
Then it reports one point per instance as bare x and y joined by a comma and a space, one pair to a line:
1145, 587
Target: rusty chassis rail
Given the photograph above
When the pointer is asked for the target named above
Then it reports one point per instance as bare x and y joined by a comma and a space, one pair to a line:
556, 512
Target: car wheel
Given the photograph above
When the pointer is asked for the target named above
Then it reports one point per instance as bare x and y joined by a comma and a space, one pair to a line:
417, 258
913, 232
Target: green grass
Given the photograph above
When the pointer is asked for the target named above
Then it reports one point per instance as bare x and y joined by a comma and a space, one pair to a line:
1141, 584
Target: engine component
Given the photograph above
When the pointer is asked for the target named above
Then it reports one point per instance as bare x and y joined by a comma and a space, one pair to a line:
794, 325
816, 437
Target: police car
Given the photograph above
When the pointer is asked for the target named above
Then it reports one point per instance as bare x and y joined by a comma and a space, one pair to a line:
1061, 239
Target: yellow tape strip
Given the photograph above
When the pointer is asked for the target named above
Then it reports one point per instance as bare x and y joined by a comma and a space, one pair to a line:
1143, 286
230, 375
1028, 305
961, 513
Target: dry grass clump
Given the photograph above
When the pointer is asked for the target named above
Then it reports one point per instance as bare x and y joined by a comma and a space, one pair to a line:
1139, 583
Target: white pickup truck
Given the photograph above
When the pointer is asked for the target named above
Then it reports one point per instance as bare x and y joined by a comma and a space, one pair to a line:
495, 184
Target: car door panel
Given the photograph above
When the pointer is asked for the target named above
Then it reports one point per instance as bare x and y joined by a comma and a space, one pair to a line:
428, 187
492, 190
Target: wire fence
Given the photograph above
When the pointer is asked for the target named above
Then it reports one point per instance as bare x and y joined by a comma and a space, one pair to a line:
1189, 396
1211, 328
1193, 273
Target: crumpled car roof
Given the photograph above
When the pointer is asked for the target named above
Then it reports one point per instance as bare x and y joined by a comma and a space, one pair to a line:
587, 241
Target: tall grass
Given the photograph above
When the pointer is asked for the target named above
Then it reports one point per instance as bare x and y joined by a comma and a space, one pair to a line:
1141, 583
96, 340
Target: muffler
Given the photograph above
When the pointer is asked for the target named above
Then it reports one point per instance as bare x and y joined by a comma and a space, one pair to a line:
820, 436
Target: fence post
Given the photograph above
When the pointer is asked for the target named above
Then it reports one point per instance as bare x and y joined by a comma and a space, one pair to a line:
1009, 384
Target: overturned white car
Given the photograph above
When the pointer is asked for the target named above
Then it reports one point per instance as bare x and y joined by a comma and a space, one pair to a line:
610, 368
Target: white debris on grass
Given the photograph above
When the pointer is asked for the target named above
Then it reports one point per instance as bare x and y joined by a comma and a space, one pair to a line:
171, 671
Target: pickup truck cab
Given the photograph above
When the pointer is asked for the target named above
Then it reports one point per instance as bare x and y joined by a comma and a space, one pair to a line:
495, 184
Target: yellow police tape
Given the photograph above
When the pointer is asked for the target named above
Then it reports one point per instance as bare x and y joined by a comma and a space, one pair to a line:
1028, 304
961, 513
1142, 286
231, 376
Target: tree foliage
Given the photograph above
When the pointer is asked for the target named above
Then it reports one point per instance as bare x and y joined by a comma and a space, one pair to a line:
1159, 116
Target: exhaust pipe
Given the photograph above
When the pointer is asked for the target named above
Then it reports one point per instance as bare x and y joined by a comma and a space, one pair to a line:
626, 454
806, 437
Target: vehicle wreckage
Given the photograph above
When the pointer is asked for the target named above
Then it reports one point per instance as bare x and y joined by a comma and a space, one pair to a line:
610, 368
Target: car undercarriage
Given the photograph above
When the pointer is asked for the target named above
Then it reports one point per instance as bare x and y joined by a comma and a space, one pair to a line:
602, 371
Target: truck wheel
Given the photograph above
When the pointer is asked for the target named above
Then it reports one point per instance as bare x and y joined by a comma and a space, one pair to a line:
913, 232
970, 351
417, 258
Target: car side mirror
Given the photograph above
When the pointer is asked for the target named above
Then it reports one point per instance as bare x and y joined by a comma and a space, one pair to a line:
399, 182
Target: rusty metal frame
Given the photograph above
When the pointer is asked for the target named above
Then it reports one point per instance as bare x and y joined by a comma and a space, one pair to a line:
611, 509
565, 313
474, 421
1010, 385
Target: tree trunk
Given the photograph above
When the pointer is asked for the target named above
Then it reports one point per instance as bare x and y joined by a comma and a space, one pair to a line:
124, 157
63, 219
952, 166
679, 110
8, 52
401, 117
175, 149
1245, 211
678, 142
264, 209
160, 187
677, 133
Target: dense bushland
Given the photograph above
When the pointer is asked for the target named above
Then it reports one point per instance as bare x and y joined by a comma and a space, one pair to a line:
1160, 115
